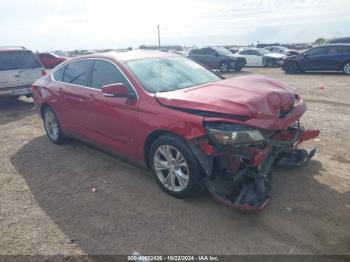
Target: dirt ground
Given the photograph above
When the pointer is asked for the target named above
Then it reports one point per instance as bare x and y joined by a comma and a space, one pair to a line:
47, 203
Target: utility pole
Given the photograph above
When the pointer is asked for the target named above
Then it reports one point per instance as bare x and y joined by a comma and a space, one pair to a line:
158, 36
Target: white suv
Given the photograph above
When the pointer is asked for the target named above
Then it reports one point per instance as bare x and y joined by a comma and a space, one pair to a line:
19, 68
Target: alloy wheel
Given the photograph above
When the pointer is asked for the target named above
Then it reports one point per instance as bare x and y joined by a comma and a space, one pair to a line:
224, 67
346, 68
171, 168
51, 125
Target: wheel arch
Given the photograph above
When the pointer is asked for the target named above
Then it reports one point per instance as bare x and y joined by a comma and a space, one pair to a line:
153, 136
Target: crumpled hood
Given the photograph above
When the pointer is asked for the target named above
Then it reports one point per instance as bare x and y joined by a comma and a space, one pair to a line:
247, 96
275, 55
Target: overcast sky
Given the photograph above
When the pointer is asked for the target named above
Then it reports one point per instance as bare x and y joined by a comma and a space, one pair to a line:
92, 24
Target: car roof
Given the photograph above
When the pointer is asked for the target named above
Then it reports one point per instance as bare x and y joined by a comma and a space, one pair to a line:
252, 48
278, 46
14, 49
336, 44
131, 55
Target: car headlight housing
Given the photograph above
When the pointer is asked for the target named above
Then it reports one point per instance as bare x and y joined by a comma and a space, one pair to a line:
232, 134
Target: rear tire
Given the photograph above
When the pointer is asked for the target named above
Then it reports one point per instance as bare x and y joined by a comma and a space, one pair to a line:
291, 68
346, 68
52, 127
174, 166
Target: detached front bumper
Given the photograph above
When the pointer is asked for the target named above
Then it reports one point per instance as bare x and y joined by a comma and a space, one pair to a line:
240, 176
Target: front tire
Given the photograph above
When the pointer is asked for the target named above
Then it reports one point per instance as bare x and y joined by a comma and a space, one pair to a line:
224, 67
346, 68
174, 166
291, 68
52, 126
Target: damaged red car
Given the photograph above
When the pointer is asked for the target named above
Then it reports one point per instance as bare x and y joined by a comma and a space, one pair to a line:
192, 127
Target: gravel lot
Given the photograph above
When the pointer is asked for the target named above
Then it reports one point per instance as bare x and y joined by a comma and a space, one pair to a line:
47, 203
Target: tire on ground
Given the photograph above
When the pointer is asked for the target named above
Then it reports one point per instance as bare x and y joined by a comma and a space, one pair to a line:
291, 68
194, 168
61, 138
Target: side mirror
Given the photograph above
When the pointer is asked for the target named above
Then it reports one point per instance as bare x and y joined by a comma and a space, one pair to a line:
116, 90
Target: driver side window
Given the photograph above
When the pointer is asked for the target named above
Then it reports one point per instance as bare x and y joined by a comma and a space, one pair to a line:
208, 51
106, 73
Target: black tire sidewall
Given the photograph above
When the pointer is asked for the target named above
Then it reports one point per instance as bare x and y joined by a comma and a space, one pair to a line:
195, 171
291, 68
61, 137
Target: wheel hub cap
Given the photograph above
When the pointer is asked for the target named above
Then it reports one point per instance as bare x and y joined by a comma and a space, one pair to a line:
51, 125
347, 68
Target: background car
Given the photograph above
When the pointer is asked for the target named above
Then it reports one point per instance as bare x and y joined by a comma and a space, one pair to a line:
261, 57
281, 50
50, 60
218, 58
19, 68
334, 57
340, 40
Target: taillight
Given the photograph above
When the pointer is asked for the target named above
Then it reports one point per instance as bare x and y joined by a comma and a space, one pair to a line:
43, 73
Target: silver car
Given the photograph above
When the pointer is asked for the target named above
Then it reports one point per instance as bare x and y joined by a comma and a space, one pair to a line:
19, 68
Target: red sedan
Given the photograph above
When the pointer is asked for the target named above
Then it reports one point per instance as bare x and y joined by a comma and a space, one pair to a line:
192, 127
50, 60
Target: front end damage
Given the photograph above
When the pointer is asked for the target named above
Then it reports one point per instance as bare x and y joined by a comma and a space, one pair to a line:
237, 160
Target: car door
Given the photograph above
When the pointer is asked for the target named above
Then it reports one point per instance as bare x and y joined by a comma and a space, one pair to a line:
210, 57
257, 58
111, 119
336, 57
73, 90
197, 55
316, 59
252, 57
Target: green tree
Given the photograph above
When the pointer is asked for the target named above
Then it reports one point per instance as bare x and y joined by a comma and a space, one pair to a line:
320, 41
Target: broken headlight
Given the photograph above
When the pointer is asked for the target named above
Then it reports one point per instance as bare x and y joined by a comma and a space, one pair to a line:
232, 134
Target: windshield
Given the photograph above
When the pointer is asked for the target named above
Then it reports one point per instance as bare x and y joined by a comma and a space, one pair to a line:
170, 73
222, 50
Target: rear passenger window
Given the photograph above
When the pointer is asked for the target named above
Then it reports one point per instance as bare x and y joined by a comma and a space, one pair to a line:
14, 60
106, 73
58, 75
195, 52
208, 51
247, 52
77, 73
